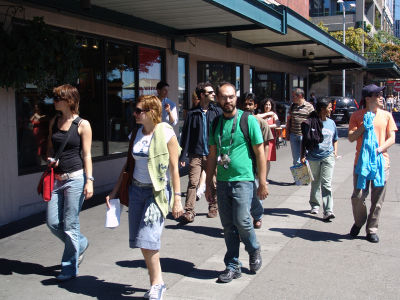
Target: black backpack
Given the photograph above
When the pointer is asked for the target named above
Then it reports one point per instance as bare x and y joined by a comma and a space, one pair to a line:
312, 132
244, 127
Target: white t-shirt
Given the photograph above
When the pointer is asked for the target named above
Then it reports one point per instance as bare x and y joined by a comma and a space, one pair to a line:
140, 153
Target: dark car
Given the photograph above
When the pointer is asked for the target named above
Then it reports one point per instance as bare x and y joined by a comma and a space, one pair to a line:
342, 108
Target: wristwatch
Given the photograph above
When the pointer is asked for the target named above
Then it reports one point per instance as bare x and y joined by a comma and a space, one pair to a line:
91, 178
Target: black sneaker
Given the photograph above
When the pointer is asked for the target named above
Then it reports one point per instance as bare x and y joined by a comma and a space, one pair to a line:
355, 230
228, 275
372, 237
255, 260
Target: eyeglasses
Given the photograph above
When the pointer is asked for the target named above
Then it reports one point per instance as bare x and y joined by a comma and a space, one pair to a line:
57, 98
138, 110
225, 98
209, 93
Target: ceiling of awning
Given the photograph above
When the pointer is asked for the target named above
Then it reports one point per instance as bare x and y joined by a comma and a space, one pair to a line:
253, 24
384, 70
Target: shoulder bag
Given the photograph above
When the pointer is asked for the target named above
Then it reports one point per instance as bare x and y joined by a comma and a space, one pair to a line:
128, 173
46, 182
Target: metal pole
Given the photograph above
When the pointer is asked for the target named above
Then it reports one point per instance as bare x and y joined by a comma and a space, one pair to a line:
344, 42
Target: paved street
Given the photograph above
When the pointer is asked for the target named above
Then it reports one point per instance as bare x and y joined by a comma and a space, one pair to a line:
303, 257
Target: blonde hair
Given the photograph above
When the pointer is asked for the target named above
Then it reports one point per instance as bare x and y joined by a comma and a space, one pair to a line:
70, 94
152, 106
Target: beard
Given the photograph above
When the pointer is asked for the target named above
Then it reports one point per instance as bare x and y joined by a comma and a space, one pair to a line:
228, 108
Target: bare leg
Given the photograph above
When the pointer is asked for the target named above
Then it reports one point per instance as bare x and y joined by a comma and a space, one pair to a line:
152, 259
268, 166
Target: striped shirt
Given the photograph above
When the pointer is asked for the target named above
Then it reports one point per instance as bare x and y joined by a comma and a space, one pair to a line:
298, 114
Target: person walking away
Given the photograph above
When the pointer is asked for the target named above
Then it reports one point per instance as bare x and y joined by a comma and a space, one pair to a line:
321, 157
268, 109
382, 130
235, 178
249, 104
298, 113
155, 151
194, 143
73, 179
169, 112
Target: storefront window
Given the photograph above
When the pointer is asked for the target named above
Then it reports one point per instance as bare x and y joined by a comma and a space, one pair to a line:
108, 107
238, 79
121, 95
183, 98
215, 73
149, 70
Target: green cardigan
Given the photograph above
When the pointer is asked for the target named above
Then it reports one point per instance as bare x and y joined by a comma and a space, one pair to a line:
158, 166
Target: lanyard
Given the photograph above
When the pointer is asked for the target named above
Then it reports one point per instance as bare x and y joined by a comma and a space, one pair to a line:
232, 131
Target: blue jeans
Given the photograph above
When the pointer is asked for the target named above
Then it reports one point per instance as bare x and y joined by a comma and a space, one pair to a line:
63, 220
256, 209
295, 146
234, 200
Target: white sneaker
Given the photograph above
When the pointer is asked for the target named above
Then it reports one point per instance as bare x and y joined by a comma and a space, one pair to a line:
200, 191
314, 210
328, 215
157, 291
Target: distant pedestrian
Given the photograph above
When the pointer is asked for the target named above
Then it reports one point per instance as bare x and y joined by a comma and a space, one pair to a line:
298, 113
169, 112
268, 113
321, 157
313, 99
374, 130
73, 177
155, 151
194, 143
249, 104
235, 176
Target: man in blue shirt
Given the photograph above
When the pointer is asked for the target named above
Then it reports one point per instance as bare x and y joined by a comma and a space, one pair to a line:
169, 113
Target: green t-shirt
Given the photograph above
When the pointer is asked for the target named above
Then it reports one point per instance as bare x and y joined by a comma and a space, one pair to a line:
240, 167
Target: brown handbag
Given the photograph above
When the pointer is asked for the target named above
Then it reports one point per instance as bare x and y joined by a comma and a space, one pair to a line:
126, 179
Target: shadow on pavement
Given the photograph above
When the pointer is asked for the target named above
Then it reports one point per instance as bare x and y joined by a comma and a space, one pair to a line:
312, 235
8, 267
210, 231
284, 212
273, 182
97, 288
173, 265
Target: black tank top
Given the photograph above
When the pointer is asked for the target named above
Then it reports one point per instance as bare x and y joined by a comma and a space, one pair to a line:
70, 158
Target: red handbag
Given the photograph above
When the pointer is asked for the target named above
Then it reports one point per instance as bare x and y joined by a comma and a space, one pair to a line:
46, 184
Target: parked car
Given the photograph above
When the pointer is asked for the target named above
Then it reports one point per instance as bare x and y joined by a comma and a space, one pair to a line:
342, 108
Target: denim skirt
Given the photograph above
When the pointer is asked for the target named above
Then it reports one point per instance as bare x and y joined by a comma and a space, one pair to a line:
142, 235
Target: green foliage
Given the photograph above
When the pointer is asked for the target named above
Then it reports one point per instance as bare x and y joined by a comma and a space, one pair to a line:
34, 53
322, 26
354, 38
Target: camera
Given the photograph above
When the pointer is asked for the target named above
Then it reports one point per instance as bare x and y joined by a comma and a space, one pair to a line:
224, 160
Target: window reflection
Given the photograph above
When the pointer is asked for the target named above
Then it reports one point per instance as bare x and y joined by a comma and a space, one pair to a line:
149, 70
121, 95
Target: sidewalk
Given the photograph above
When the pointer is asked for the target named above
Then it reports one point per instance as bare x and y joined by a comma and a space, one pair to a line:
303, 257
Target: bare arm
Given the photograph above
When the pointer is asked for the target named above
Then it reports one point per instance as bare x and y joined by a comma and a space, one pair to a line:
356, 133
262, 191
115, 190
85, 132
388, 143
173, 146
335, 148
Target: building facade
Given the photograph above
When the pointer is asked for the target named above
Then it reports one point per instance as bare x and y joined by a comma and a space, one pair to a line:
125, 49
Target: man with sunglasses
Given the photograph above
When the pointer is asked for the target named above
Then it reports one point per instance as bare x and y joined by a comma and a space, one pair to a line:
384, 129
194, 143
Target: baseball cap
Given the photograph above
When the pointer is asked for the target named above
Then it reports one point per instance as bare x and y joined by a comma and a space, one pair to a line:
371, 88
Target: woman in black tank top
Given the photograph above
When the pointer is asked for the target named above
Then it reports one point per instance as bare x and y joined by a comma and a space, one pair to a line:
73, 177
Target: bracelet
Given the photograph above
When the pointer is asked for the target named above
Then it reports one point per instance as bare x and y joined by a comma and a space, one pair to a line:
177, 194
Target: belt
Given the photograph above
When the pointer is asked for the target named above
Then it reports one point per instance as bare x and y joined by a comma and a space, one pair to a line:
67, 176
141, 184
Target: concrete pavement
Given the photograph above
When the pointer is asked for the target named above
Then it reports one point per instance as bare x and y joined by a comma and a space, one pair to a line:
303, 257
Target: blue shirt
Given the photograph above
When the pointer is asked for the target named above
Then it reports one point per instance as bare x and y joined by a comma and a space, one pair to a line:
324, 149
205, 133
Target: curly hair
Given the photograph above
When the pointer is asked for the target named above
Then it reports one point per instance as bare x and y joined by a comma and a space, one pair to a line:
152, 107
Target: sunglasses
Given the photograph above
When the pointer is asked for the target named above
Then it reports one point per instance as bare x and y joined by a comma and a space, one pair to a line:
57, 98
138, 110
209, 93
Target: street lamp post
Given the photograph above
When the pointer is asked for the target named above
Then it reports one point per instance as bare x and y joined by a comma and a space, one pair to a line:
344, 42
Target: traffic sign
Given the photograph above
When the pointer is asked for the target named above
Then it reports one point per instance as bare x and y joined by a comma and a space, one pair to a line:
396, 86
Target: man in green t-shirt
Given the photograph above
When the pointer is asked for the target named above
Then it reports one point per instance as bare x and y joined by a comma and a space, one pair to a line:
235, 179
